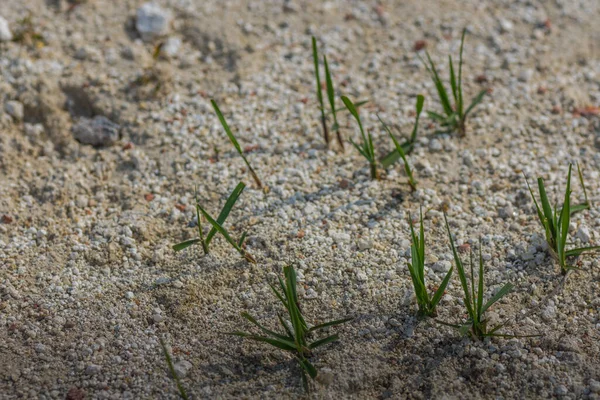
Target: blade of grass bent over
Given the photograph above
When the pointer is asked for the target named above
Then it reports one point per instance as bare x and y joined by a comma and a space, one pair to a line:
231, 200
235, 142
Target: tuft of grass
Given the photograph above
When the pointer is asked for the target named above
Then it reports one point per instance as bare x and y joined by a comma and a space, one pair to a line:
453, 118
408, 145
366, 149
235, 143
427, 304
296, 333
399, 148
231, 200
330, 97
180, 388
217, 227
556, 221
476, 324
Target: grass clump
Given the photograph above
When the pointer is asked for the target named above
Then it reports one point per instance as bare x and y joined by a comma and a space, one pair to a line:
476, 324
400, 147
454, 117
427, 304
217, 226
330, 97
296, 333
556, 221
366, 148
235, 143
180, 388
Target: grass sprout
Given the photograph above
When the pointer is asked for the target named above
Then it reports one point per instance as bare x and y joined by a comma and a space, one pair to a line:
476, 324
366, 149
180, 388
330, 97
399, 148
296, 333
235, 143
408, 145
205, 242
217, 227
556, 221
427, 304
454, 118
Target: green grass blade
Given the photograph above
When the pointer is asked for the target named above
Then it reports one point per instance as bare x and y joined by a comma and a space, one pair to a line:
285, 327
330, 323
180, 388
360, 149
330, 93
400, 151
308, 367
279, 296
480, 285
537, 207
440, 291
231, 200
478, 99
242, 239
581, 250
459, 102
350, 106
548, 213
586, 205
262, 328
438, 117
500, 294
324, 341
461, 271
453, 80
442, 94
317, 76
235, 142
563, 222
419, 109
183, 245
199, 224
281, 344
390, 158
226, 235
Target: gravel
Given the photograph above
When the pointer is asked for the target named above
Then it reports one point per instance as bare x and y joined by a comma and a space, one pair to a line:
5, 33
15, 110
98, 179
152, 21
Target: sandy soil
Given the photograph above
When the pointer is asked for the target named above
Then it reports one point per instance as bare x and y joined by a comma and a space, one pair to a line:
88, 279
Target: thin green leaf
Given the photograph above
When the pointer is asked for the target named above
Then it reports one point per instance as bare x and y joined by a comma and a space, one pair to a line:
183, 245
581, 250
440, 291
324, 341
478, 99
281, 344
231, 200
461, 270
268, 331
308, 367
235, 142
330, 92
419, 109
330, 323
180, 388
500, 294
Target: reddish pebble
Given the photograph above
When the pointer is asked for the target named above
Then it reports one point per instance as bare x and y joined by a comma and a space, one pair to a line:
149, 197
420, 45
7, 219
